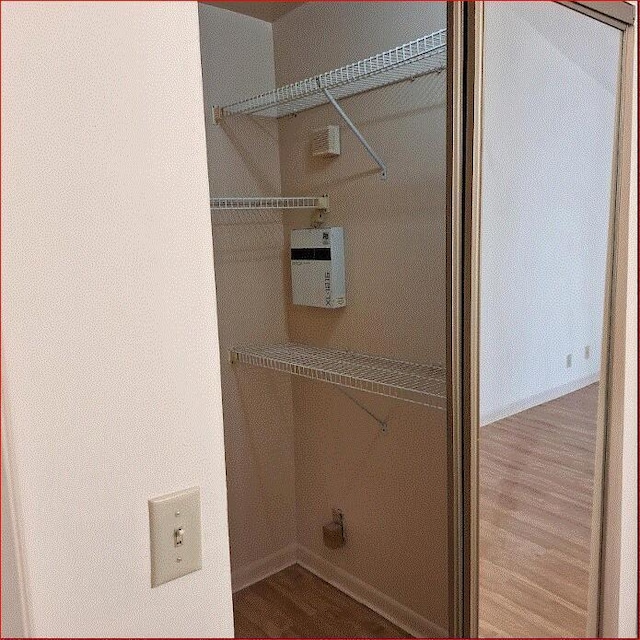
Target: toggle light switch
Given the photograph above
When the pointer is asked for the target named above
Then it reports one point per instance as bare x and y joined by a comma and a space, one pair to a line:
174, 552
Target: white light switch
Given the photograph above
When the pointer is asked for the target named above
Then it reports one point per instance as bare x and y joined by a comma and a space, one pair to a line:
174, 525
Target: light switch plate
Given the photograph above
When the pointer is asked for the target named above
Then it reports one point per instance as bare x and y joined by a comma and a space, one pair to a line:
175, 553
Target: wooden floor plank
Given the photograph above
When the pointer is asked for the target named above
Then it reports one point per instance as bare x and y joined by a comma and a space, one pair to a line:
294, 603
536, 492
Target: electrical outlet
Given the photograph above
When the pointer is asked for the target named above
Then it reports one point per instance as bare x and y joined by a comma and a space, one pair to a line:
569, 359
587, 352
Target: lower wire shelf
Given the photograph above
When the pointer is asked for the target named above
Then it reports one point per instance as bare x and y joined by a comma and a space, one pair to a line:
412, 382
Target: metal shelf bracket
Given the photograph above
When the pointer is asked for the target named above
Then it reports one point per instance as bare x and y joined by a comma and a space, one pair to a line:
384, 426
356, 132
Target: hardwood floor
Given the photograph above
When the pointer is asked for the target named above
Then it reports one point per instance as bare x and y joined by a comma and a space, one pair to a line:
536, 484
294, 603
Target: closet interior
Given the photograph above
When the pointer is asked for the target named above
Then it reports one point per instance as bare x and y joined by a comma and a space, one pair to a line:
326, 138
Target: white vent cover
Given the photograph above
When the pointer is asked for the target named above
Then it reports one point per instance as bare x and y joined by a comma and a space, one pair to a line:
326, 141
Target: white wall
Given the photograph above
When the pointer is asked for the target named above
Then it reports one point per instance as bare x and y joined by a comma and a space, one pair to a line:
547, 154
111, 377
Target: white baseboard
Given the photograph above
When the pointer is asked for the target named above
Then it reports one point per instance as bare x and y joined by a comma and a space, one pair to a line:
367, 595
539, 398
260, 569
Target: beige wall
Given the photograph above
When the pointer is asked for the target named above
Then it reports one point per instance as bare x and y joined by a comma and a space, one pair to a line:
391, 487
341, 459
237, 61
394, 229
111, 382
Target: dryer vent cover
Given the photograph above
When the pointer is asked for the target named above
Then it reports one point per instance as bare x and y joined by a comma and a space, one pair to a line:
326, 142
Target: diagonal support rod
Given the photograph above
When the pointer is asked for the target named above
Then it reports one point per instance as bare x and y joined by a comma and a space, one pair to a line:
365, 144
384, 427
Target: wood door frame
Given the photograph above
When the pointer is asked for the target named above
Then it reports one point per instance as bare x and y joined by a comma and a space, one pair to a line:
464, 138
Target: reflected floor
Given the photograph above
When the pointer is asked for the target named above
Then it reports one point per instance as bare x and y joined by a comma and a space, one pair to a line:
536, 484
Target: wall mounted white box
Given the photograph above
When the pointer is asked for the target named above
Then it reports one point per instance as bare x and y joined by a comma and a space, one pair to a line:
175, 531
317, 267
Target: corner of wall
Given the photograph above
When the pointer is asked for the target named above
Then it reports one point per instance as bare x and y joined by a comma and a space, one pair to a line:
15, 610
244, 159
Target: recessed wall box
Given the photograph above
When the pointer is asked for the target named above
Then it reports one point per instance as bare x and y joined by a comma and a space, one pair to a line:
317, 267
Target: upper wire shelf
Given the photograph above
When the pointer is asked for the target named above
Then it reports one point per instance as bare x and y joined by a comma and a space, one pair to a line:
416, 58
305, 202
419, 383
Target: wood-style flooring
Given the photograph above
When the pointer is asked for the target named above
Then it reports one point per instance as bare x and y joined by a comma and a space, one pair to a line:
294, 603
536, 484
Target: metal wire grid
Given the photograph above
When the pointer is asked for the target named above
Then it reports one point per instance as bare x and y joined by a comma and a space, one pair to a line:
269, 203
418, 383
416, 58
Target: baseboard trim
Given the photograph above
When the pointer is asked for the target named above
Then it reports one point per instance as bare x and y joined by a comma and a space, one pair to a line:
367, 595
539, 398
260, 569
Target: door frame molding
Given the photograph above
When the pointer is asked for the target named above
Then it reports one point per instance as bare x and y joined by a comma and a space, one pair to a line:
606, 527
464, 66
464, 138
455, 181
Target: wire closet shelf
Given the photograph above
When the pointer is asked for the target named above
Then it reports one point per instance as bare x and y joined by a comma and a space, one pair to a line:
304, 202
425, 55
418, 383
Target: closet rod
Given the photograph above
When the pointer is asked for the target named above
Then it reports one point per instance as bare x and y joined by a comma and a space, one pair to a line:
365, 144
